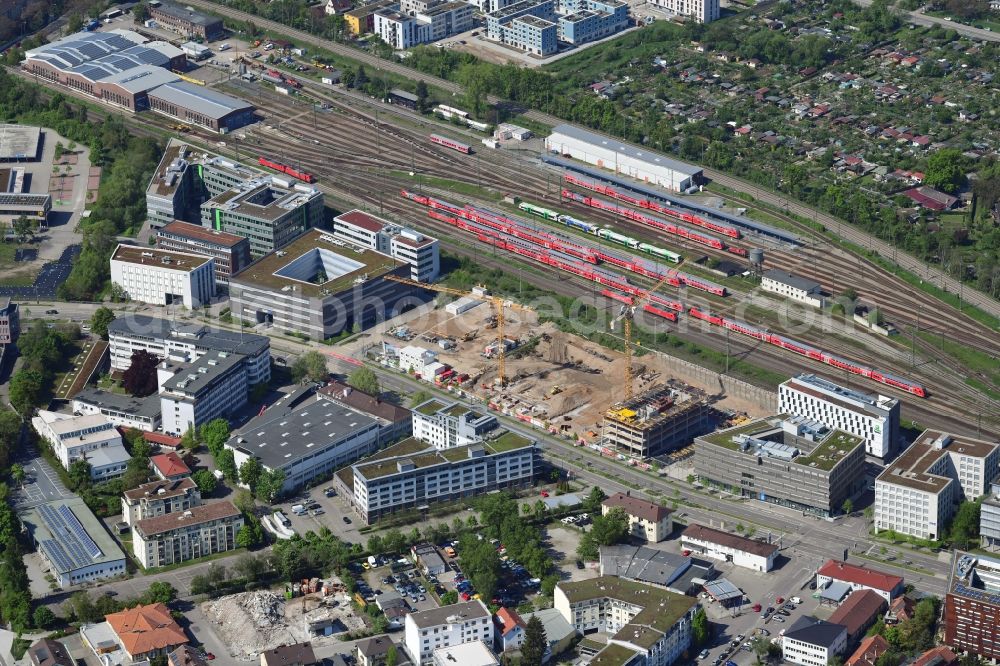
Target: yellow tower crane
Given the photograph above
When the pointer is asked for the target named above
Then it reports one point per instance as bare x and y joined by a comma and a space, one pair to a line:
498, 304
628, 315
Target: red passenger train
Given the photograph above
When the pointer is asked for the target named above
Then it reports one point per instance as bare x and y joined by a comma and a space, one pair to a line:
287, 170
450, 143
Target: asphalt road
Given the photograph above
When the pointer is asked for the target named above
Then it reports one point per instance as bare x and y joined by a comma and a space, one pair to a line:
919, 18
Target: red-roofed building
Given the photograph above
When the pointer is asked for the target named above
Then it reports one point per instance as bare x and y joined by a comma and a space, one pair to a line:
937, 656
647, 520
930, 198
418, 250
169, 466
230, 252
510, 630
868, 652
146, 631
900, 610
162, 440
888, 586
859, 612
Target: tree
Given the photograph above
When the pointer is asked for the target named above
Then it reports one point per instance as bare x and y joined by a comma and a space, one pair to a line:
140, 13
244, 538
944, 170
847, 507
699, 628
592, 503
449, 597
391, 656
610, 529
159, 592
250, 473
100, 320
535, 643
43, 617
79, 475
364, 379
22, 228
205, 481
17, 473
140, 378
214, 434
189, 440
965, 526
419, 397
226, 462
310, 366
26, 390
422, 95
74, 22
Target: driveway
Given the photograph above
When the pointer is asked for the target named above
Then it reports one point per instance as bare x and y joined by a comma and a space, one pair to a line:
45, 484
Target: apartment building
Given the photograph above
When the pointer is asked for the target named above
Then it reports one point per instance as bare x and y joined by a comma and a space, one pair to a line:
10, 321
785, 284
122, 410
413, 474
202, 530
647, 624
918, 493
702, 11
418, 250
446, 425
448, 626
532, 36
718, 545
647, 520
159, 277
971, 615
812, 642
231, 253
989, 517
158, 498
790, 464
584, 21
875, 418
185, 343
192, 394
420, 25
888, 586
90, 437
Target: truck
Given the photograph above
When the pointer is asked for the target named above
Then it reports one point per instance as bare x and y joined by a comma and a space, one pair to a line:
282, 519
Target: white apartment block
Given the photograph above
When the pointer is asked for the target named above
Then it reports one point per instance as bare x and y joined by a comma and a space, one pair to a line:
158, 498
199, 531
873, 418
702, 11
161, 277
785, 284
418, 250
192, 394
812, 642
448, 626
918, 493
447, 425
416, 359
90, 437
427, 23
649, 621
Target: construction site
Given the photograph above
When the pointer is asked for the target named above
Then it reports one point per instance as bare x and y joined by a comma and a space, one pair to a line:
556, 380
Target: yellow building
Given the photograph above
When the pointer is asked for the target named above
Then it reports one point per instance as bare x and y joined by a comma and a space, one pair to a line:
361, 21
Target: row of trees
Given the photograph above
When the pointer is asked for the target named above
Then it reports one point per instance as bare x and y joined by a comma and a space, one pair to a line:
44, 352
86, 607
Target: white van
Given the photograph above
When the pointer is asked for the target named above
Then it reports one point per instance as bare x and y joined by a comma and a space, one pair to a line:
298, 510
224, 47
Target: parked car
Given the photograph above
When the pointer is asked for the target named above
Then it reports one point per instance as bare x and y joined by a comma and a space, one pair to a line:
778, 618
347, 520
318, 511
330, 492
756, 608
703, 654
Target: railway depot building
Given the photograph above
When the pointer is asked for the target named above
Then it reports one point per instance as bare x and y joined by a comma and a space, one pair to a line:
918, 493
609, 153
186, 21
791, 286
972, 606
420, 251
159, 277
202, 106
317, 286
231, 253
875, 418
784, 463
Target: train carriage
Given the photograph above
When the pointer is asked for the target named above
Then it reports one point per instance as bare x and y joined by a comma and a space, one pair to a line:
450, 143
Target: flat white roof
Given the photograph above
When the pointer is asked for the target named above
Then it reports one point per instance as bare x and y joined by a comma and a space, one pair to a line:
572, 132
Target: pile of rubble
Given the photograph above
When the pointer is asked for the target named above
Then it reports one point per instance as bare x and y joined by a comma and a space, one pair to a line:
250, 622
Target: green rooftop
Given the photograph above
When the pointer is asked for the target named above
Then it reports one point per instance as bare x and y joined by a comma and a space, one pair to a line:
830, 451
725, 437
421, 454
508, 442
614, 655
431, 407
457, 410
660, 608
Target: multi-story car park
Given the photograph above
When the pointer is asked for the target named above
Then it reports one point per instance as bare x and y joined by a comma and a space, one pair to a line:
448, 626
179, 342
317, 287
202, 530
642, 621
121, 410
875, 418
607, 152
701, 11
917, 494
306, 435
718, 545
160, 277
445, 425
159, 498
779, 462
971, 615
186, 21
420, 251
191, 394
231, 253
413, 474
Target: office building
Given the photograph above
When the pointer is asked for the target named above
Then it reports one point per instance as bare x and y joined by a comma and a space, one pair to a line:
73, 542
158, 498
791, 286
658, 420
448, 626
859, 611
194, 393
783, 463
203, 529
413, 474
887, 586
122, 410
702, 11
186, 21
145, 632
646, 624
875, 418
918, 493
269, 213
989, 517
395, 422
421, 252
317, 287
91, 438
647, 520
971, 615
185, 343
159, 277
718, 545
446, 425
306, 436
812, 642
10, 321
421, 22
473, 653
49, 652
633, 161
229, 252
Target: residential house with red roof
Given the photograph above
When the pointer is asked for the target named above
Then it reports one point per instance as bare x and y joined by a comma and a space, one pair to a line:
888, 586
647, 520
937, 656
145, 632
509, 634
169, 467
860, 611
868, 652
